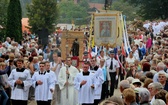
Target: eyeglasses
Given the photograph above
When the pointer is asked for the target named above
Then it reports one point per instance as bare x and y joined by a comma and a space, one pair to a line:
150, 88
161, 76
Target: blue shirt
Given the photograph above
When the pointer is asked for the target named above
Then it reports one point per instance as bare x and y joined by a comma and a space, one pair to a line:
104, 73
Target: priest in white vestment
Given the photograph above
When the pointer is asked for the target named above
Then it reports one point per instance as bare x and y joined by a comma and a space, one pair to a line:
84, 83
66, 83
20, 82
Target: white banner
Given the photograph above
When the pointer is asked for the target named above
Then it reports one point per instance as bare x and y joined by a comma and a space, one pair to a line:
105, 28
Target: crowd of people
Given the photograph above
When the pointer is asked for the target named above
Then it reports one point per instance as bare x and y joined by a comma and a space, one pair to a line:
30, 71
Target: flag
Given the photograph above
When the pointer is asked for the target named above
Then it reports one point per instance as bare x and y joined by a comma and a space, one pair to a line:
90, 51
123, 50
125, 27
124, 35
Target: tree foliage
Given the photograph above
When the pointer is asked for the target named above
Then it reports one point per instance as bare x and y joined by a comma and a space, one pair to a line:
3, 11
42, 14
84, 3
3, 17
129, 11
151, 9
14, 16
96, 1
69, 12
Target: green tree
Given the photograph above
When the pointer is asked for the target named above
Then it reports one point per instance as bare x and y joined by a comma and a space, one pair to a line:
84, 3
96, 1
14, 16
129, 11
42, 14
151, 9
72, 12
3, 17
3, 11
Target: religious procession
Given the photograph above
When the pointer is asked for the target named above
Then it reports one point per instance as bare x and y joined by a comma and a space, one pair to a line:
108, 62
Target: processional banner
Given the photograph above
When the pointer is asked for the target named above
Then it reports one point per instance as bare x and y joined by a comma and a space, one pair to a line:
107, 28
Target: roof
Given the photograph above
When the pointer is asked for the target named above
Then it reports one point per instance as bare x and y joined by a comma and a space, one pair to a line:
25, 24
96, 5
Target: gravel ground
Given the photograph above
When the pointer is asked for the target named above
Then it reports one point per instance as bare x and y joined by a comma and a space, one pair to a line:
116, 93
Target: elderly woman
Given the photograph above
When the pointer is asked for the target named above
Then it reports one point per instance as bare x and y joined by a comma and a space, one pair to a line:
124, 84
129, 97
154, 88
163, 80
144, 96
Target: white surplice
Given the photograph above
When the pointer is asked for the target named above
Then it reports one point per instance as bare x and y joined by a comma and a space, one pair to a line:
53, 77
85, 92
20, 93
59, 66
99, 81
41, 91
57, 92
68, 92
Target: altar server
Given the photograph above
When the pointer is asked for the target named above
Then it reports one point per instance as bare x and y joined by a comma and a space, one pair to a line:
98, 73
52, 76
42, 82
85, 84
20, 82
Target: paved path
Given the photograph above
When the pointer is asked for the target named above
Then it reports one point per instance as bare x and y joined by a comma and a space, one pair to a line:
116, 93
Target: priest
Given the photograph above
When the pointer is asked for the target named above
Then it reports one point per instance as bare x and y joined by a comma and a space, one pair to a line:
66, 83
